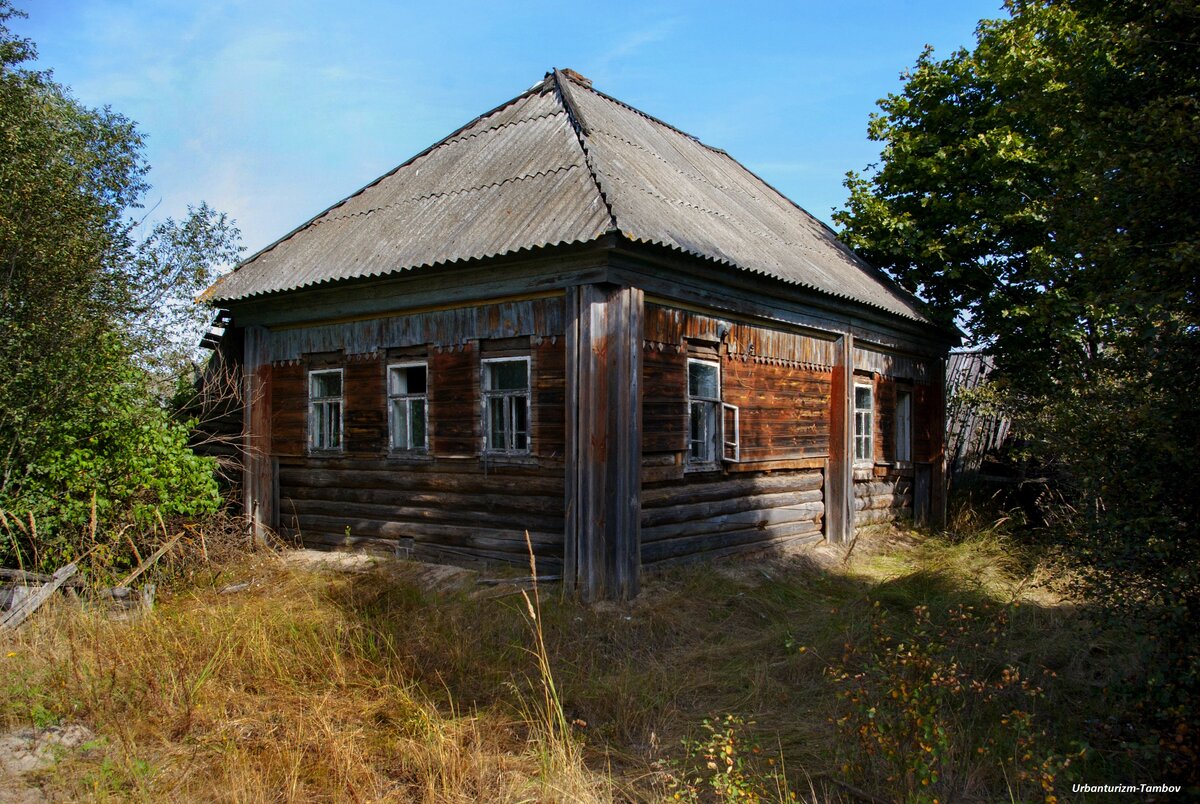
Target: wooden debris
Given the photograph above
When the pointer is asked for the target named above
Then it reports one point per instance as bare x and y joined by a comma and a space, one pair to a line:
19, 613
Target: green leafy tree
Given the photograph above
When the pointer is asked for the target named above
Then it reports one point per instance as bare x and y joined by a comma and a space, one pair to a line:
85, 309
1043, 189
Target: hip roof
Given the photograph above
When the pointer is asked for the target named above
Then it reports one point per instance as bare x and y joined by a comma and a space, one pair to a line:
564, 163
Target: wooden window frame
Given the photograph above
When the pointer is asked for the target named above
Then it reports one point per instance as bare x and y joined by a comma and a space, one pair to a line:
393, 398
903, 427
714, 440
487, 395
317, 406
864, 431
731, 450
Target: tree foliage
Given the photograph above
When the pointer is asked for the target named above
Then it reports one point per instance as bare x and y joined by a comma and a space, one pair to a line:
1043, 189
85, 309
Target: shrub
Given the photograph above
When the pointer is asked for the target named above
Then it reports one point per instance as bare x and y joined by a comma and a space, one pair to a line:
724, 765
114, 463
918, 713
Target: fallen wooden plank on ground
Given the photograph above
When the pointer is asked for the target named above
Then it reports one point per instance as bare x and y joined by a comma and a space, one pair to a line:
19, 613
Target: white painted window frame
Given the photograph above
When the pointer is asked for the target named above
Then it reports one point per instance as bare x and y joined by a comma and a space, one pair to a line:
486, 394
904, 429
318, 405
868, 438
407, 399
721, 445
734, 444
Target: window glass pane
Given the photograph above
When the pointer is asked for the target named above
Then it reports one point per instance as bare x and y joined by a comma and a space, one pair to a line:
507, 375
697, 431
318, 427
417, 423
703, 380
400, 425
496, 423
862, 397
520, 417
904, 426
326, 425
326, 384
703, 431
335, 422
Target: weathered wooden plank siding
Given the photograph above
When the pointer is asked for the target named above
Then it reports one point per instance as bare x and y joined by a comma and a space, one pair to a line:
548, 400
664, 400
437, 328
779, 380
784, 411
454, 407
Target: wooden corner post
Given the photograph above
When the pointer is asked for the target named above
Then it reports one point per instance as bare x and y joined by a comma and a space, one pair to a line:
258, 480
602, 553
839, 470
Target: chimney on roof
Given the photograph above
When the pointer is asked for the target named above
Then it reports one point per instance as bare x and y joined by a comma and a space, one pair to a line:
576, 77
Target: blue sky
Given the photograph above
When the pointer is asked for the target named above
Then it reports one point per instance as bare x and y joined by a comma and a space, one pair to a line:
272, 111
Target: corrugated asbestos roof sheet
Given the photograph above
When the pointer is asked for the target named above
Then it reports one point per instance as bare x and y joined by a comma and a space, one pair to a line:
545, 169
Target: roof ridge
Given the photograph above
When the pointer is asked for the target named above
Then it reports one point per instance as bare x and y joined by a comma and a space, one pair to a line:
657, 120
579, 126
461, 191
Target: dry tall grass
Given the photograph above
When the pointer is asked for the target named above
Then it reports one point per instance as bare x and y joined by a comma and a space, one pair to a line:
273, 693
314, 686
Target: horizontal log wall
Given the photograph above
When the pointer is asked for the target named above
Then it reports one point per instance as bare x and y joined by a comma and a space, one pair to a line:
702, 517
885, 496
439, 510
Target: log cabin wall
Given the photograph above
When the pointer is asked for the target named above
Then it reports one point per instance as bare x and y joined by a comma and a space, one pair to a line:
780, 382
884, 490
428, 505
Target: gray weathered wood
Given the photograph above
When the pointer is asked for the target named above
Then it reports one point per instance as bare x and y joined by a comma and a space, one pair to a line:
736, 521
467, 518
257, 480
603, 495
839, 476
20, 612
724, 489
705, 510
706, 547
152, 560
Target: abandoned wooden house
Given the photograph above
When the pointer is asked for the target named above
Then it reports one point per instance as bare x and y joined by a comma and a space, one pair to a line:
569, 318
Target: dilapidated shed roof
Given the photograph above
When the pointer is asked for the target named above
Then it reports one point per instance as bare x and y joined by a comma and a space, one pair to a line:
563, 163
